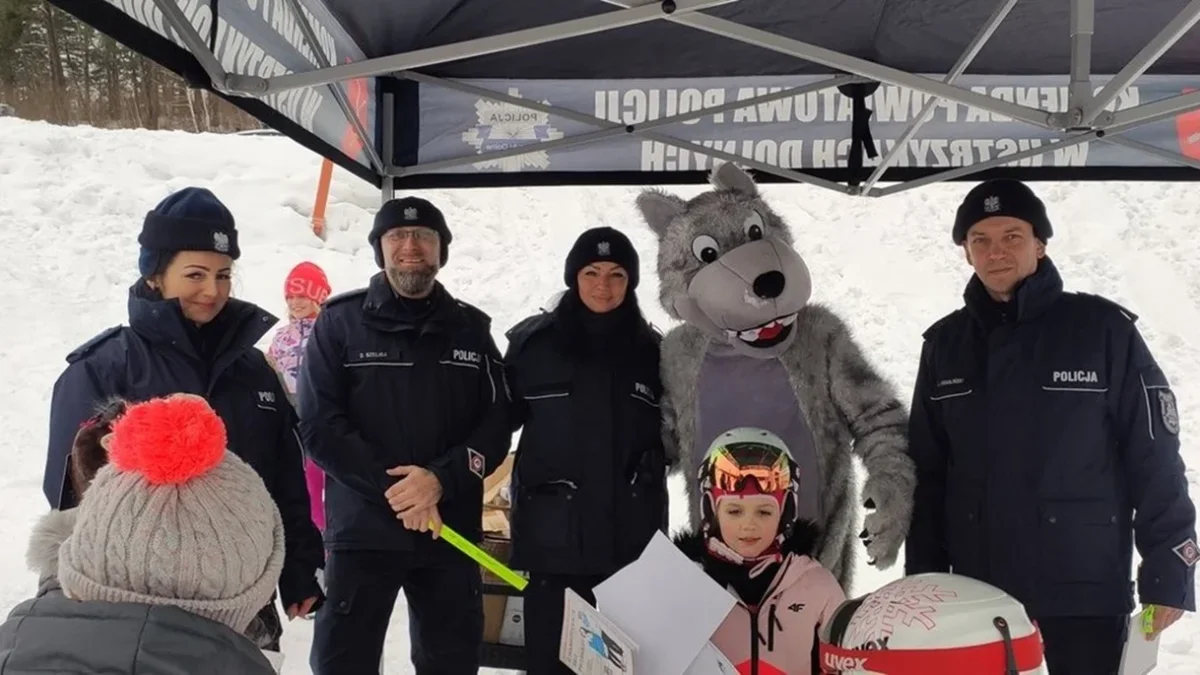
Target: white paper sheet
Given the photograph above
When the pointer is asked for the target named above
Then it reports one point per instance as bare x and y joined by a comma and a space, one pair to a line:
710, 661
1140, 655
591, 644
667, 605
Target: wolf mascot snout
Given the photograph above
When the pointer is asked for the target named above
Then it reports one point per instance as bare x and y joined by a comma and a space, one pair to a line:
752, 352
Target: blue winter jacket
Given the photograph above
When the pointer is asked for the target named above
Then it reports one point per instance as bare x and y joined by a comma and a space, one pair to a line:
160, 353
1046, 440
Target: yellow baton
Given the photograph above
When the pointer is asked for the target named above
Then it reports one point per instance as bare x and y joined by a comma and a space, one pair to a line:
484, 558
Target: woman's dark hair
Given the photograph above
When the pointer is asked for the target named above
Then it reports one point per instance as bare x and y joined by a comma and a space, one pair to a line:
88, 456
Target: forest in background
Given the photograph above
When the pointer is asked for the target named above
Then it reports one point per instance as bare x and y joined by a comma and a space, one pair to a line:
54, 67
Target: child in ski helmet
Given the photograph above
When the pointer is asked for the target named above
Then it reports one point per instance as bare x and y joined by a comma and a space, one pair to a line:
304, 289
752, 543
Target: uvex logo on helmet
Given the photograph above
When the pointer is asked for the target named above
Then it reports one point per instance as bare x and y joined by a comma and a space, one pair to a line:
838, 663
306, 288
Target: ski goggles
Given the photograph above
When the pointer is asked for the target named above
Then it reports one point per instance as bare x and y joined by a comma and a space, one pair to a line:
731, 477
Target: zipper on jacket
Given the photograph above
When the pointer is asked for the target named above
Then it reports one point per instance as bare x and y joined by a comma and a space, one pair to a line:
754, 638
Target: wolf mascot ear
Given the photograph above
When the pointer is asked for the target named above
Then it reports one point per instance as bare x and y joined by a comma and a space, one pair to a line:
729, 176
659, 209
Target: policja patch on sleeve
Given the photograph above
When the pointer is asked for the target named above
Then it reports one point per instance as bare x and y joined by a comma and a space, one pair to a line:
1168, 410
1188, 552
475, 462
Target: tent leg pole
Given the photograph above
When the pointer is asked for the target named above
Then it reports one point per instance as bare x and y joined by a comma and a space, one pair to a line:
1140, 63
388, 139
964, 61
1083, 26
179, 23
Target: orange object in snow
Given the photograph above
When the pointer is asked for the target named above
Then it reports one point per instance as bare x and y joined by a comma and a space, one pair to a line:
1187, 128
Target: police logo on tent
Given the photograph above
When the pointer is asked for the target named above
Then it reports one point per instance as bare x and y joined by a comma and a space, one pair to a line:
505, 126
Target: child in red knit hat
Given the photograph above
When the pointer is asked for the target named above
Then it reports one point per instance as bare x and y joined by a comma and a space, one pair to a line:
305, 288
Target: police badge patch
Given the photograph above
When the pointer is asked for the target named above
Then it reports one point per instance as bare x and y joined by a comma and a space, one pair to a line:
1188, 552
1169, 410
475, 462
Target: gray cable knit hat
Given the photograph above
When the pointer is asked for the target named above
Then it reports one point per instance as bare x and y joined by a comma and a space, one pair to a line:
175, 519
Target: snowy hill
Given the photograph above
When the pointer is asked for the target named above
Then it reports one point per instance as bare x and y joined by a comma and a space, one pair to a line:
72, 201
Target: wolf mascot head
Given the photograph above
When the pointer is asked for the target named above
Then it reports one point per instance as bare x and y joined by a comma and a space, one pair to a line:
727, 265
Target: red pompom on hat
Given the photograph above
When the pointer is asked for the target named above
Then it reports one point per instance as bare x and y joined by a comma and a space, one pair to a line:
307, 280
168, 440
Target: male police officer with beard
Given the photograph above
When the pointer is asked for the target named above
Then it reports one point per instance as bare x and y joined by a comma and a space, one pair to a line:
1046, 440
403, 404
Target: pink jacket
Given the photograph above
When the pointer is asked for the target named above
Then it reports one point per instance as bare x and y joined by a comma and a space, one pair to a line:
801, 597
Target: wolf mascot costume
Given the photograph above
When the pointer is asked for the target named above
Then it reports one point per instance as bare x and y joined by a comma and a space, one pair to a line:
753, 353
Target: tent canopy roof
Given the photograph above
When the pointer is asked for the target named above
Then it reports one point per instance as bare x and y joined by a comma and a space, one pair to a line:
843, 95
918, 36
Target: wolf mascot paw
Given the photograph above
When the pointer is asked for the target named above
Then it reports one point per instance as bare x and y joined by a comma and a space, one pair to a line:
751, 351
889, 512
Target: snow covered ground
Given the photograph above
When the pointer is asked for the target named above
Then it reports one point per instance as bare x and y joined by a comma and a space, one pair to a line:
72, 201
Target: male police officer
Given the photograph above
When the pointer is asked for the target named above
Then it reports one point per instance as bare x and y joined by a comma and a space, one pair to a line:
403, 404
1046, 440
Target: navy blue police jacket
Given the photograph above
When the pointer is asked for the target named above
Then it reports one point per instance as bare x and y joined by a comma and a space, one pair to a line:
589, 478
1046, 440
382, 387
156, 355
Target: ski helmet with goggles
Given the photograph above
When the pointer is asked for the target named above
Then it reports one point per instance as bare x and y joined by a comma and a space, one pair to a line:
744, 461
932, 623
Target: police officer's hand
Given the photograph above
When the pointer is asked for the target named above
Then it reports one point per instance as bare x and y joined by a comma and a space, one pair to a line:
302, 609
423, 520
418, 488
1163, 618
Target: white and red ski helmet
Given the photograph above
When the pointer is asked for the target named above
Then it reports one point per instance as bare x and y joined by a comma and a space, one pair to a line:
932, 623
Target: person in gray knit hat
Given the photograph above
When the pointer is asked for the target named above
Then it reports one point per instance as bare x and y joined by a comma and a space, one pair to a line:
175, 546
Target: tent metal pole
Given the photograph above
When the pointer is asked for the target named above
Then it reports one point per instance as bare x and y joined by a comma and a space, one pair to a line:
1173, 157
179, 23
990, 164
420, 58
339, 95
388, 146
852, 64
1148, 113
1139, 64
968, 55
1079, 93
643, 129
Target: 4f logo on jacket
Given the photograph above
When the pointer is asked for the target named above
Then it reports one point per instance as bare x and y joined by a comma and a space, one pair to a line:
266, 397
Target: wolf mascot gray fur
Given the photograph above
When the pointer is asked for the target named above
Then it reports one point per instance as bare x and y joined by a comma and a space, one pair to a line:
753, 353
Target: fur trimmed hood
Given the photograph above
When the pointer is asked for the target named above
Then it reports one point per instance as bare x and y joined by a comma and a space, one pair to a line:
803, 541
50, 531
